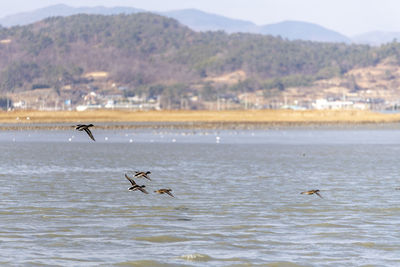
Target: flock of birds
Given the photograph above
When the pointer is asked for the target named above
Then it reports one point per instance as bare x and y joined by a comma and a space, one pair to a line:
138, 174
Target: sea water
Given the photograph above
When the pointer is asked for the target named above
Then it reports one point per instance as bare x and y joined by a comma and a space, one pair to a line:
64, 199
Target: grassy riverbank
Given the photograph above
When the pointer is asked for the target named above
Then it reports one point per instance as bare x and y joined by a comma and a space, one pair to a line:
233, 117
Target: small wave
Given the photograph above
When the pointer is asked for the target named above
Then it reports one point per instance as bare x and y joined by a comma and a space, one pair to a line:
142, 263
328, 225
162, 208
140, 226
239, 227
161, 239
175, 218
376, 246
52, 235
182, 208
302, 210
365, 244
251, 227
184, 219
283, 264
196, 257
7, 212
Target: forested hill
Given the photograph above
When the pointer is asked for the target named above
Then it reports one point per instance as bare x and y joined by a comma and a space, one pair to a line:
141, 50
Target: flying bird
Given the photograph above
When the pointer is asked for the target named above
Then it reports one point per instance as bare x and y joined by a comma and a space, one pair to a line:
135, 186
142, 174
315, 191
84, 127
164, 191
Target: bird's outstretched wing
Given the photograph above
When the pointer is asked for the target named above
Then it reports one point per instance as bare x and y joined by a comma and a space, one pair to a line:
130, 180
147, 177
143, 190
79, 127
169, 193
138, 174
318, 194
89, 133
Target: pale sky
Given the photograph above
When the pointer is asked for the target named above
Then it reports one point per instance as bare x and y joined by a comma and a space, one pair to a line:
348, 17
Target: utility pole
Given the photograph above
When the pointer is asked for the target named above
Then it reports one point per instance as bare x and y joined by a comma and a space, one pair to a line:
285, 99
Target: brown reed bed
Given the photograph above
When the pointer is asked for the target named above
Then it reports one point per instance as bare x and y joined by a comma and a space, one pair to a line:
183, 119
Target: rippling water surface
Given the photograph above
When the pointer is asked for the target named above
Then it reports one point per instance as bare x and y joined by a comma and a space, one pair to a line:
64, 198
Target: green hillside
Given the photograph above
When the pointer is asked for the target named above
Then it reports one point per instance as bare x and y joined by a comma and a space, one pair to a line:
155, 55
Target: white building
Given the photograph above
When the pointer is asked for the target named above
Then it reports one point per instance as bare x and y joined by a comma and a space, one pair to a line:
325, 104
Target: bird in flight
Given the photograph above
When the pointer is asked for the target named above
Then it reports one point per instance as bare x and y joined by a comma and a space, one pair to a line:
164, 191
84, 127
135, 186
315, 191
142, 174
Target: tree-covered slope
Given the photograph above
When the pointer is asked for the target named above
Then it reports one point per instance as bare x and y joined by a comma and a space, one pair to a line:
145, 49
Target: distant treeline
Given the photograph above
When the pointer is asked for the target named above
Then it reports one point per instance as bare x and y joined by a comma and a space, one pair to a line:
157, 55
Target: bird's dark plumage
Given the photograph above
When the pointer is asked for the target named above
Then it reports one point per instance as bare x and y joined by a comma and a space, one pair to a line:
142, 174
164, 191
310, 192
84, 127
135, 186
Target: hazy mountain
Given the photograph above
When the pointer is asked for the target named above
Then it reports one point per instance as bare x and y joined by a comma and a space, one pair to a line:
61, 10
194, 19
202, 21
376, 37
292, 30
143, 49
298, 30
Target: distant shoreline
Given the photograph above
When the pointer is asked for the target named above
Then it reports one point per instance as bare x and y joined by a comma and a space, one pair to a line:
232, 119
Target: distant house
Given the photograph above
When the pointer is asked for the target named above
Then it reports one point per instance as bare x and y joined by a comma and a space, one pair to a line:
87, 107
91, 98
293, 107
19, 105
325, 104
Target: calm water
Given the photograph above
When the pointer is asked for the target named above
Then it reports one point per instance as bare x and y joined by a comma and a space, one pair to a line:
64, 198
